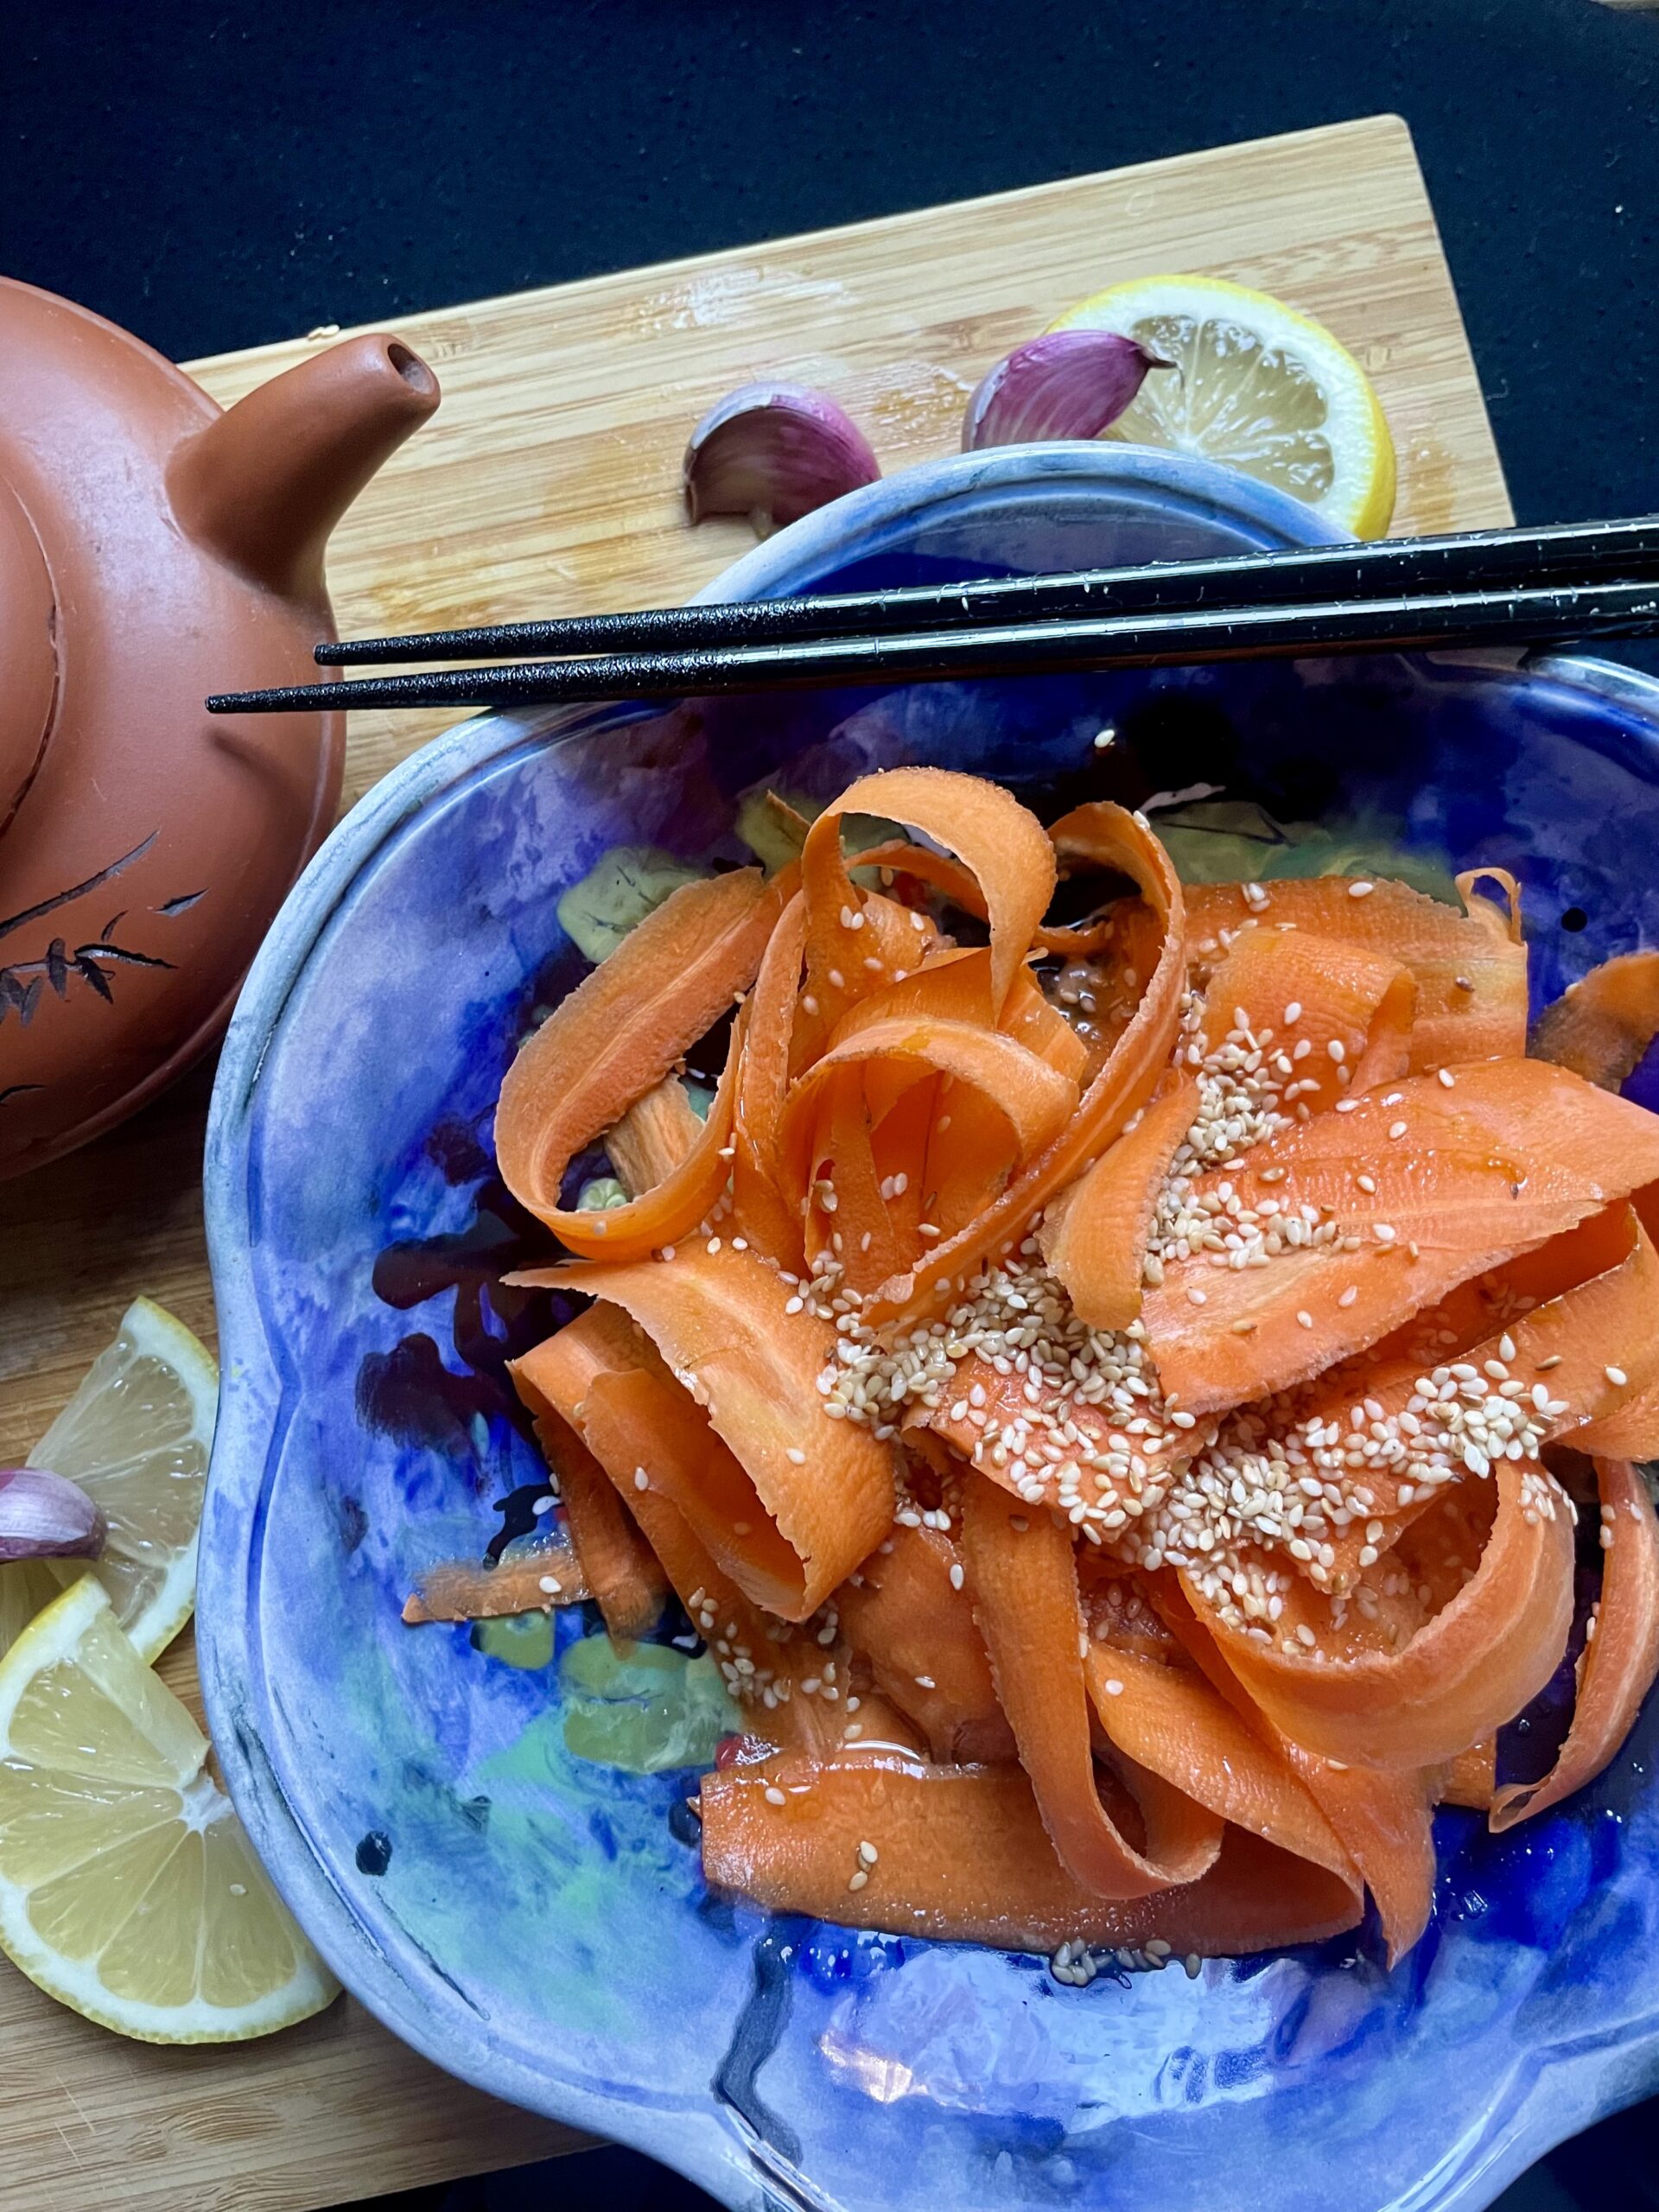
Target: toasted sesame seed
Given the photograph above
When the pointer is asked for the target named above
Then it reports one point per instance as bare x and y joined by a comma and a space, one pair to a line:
1462, 982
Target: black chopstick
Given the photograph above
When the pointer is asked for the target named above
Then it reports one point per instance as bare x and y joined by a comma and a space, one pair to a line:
1488, 560
1580, 612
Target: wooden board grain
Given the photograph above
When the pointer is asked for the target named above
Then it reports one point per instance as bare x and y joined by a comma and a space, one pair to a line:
549, 482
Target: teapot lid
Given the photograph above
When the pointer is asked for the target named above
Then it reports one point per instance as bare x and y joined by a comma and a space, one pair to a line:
29, 653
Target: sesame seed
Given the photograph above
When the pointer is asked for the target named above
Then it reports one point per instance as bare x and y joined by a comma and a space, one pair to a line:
1367, 1184
1305, 1319
641, 1479
714, 1245
867, 1853
1349, 1296
1113, 1688
551, 1585
1446, 1077
925, 1682
837, 980
1338, 1050
1462, 982
1347, 1105
1397, 1129
796, 1455
1293, 1014
541, 1505
1196, 1297
1617, 1376
1361, 890
859, 1879
809, 1004
957, 1577
1103, 739
873, 963
775, 1795
1384, 1232
1544, 1365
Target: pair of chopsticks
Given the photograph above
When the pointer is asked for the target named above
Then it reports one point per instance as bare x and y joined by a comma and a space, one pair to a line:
1581, 581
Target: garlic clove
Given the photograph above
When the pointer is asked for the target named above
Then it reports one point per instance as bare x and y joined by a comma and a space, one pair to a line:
44, 1516
774, 452
1070, 384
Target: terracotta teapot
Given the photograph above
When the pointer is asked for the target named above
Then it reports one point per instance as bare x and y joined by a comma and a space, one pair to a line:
154, 548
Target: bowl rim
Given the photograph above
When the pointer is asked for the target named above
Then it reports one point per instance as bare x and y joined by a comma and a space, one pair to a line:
713, 2149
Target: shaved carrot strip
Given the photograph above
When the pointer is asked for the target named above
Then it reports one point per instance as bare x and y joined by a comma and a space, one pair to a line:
1470, 976
1031, 1098
1122, 841
962, 1855
1602, 1025
1472, 1778
659, 1133
1094, 1236
1473, 1666
618, 1566
1569, 1346
916, 1629
1024, 1584
1146, 1455
1169, 1718
1339, 1015
1514, 1154
719, 1321
615, 1038
1380, 1816
1622, 1658
1031, 1020
987, 829
468, 1590
760, 1205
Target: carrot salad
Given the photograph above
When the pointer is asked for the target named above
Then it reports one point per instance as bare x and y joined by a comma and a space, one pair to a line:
1122, 1444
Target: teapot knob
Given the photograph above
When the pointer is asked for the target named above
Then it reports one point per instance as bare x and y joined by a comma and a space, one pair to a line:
29, 653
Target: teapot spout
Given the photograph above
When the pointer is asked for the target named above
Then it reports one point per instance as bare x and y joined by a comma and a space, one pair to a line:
264, 484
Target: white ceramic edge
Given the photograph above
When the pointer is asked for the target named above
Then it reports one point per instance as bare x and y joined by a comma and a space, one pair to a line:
710, 2153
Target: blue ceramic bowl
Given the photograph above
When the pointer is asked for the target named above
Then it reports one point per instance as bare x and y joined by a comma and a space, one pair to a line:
537, 1924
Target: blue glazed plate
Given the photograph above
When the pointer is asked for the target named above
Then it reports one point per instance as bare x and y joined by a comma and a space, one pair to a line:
537, 1924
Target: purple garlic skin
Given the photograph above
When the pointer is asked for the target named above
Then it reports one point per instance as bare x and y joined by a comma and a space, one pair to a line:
45, 1517
774, 452
1072, 384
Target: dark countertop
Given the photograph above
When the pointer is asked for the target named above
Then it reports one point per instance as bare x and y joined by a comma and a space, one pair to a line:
215, 175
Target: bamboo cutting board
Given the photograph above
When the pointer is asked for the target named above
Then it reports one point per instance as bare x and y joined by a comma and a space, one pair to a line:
549, 483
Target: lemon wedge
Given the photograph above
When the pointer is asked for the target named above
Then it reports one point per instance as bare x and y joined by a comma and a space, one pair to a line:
1255, 386
136, 1436
128, 1889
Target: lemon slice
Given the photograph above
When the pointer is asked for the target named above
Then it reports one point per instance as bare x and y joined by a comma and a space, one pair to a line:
1255, 386
128, 1889
136, 1436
